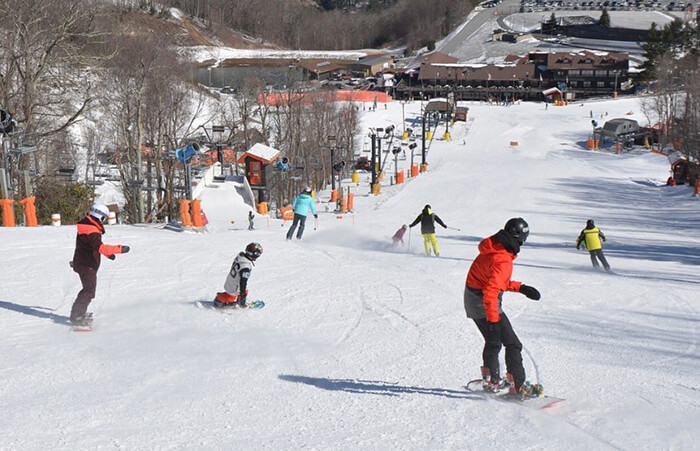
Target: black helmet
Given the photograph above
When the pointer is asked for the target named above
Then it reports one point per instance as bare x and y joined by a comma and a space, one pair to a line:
253, 251
590, 224
518, 229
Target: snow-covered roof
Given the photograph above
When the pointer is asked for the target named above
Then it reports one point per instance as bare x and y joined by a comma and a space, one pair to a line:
263, 152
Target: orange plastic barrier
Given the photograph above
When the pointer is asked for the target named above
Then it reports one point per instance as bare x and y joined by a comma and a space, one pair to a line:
262, 208
334, 195
424, 167
343, 205
287, 213
414, 170
29, 211
514, 144
697, 187
197, 213
8, 215
376, 188
399, 178
351, 202
185, 213
596, 144
589, 144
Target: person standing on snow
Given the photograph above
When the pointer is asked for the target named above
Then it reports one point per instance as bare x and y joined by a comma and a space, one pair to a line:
236, 286
251, 220
427, 221
302, 204
86, 260
488, 277
591, 238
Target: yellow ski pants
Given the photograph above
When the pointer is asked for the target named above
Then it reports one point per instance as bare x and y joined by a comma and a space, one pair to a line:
428, 239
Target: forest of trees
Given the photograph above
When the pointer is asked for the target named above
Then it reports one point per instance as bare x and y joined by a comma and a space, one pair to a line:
326, 25
81, 80
672, 71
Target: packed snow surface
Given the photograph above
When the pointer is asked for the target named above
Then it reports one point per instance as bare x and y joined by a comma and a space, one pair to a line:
365, 346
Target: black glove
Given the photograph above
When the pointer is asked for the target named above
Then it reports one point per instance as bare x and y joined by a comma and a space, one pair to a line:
493, 332
530, 292
316, 216
125, 249
112, 257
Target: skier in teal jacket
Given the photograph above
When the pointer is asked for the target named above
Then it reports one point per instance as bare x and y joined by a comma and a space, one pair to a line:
302, 204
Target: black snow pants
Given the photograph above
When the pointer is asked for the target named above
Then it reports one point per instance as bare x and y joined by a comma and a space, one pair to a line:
514, 359
599, 253
298, 219
88, 277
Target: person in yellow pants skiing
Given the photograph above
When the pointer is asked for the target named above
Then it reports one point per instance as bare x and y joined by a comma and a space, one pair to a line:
427, 221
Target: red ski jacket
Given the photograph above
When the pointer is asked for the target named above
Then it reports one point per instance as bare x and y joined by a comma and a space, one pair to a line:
490, 273
89, 246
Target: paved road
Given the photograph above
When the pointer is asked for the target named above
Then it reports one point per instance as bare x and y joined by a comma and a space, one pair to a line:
451, 44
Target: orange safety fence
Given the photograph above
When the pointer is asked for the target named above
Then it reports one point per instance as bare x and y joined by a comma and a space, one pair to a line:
29, 211
283, 98
334, 195
414, 170
262, 208
351, 202
399, 177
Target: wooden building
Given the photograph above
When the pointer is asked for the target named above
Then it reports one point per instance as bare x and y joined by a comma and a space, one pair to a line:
258, 167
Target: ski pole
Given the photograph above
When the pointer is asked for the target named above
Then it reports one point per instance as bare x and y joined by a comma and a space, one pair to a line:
409, 240
454, 228
315, 223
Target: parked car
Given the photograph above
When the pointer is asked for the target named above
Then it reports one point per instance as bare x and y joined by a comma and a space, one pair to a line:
363, 164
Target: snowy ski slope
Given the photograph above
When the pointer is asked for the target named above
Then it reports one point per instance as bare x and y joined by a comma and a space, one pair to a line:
362, 346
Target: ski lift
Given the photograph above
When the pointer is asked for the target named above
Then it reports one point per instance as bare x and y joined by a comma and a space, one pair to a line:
316, 163
95, 182
298, 163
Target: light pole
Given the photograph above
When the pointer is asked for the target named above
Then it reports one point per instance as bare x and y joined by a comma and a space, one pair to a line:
615, 88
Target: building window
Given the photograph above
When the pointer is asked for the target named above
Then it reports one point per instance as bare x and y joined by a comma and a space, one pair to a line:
600, 84
587, 72
586, 84
574, 72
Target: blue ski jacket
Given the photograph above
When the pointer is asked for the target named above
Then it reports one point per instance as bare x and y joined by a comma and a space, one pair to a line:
302, 203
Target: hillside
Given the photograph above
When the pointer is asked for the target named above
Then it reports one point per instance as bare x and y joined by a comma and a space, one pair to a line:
365, 346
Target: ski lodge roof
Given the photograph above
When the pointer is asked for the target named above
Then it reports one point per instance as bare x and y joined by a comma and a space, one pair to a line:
261, 152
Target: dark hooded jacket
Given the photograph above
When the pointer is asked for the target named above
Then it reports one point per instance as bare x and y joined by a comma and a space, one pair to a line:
89, 246
427, 221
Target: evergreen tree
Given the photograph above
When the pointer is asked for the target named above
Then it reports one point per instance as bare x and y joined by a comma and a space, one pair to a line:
328, 5
550, 26
653, 50
604, 20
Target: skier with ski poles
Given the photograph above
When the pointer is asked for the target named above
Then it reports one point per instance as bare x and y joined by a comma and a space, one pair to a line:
236, 286
427, 221
302, 204
489, 276
591, 238
86, 260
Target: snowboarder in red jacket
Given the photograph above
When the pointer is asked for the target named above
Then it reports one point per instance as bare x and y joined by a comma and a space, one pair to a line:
398, 236
489, 276
86, 259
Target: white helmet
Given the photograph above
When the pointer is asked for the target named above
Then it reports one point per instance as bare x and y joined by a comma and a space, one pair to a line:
307, 189
99, 212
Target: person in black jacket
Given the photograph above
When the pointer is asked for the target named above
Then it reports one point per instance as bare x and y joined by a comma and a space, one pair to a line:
86, 259
427, 221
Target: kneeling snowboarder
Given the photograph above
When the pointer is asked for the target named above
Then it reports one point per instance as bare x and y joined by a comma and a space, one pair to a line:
236, 285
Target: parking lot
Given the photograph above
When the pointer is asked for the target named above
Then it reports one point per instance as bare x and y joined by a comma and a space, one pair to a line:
610, 5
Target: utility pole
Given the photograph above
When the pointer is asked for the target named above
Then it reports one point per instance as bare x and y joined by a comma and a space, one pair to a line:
374, 157
423, 139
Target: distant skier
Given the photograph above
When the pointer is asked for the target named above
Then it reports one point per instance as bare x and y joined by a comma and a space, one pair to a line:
236, 286
251, 220
591, 238
398, 236
427, 221
488, 277
86, 260
302, 204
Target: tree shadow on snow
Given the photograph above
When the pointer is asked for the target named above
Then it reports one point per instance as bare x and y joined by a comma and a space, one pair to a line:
36, 311
375, 387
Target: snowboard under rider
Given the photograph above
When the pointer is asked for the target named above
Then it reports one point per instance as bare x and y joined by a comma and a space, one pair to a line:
398, 236
427, 221
302, 204
236, 286
489, 276
86, 259
591, 238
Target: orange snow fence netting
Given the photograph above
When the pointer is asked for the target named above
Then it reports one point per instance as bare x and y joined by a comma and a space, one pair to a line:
283, 98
